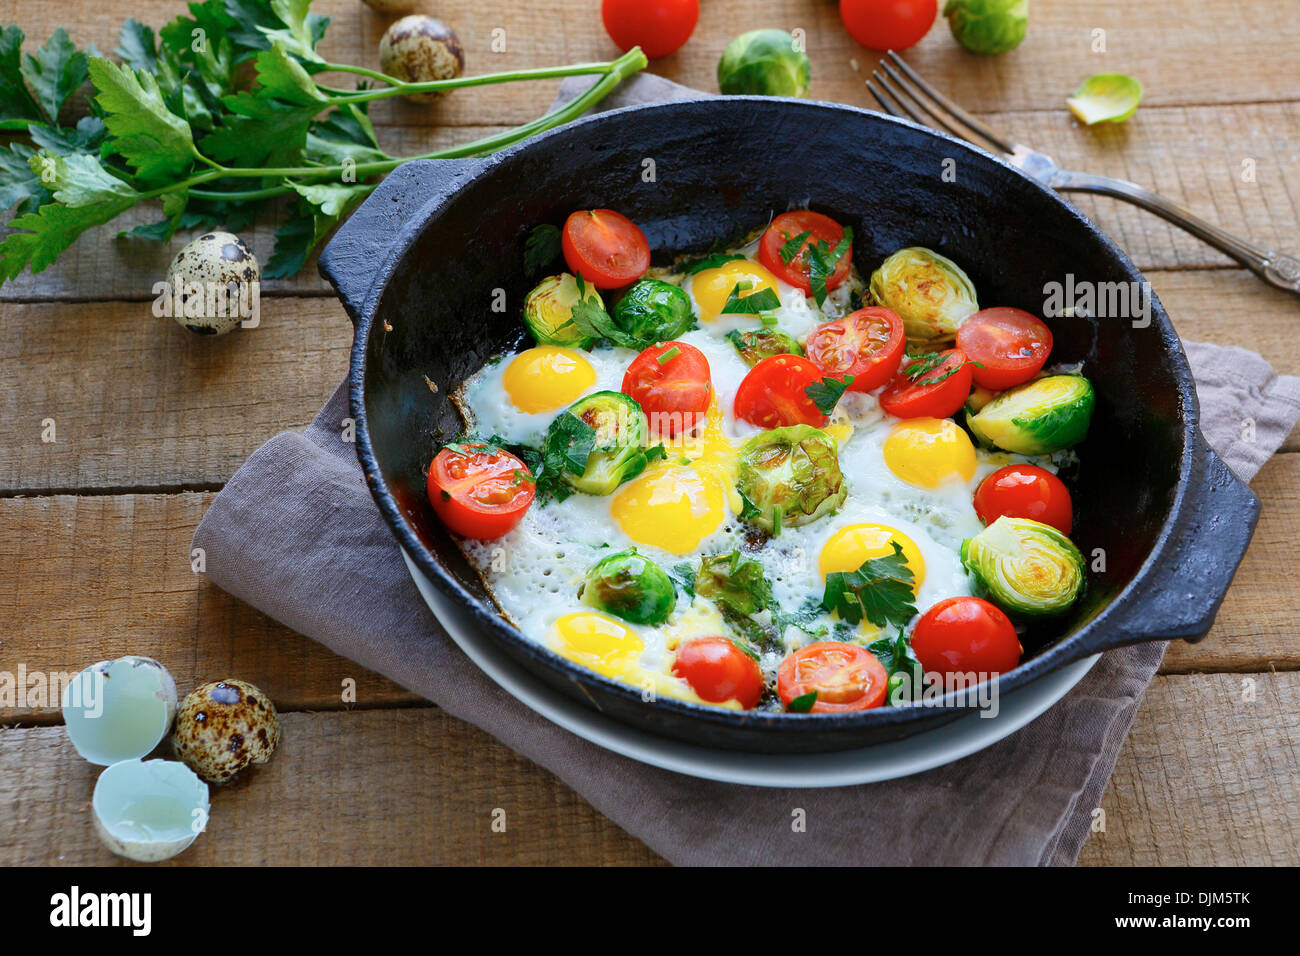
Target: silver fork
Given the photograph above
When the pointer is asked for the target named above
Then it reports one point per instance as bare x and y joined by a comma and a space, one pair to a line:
901, 92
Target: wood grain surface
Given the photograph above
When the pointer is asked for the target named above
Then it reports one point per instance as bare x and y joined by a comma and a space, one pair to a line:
150, 421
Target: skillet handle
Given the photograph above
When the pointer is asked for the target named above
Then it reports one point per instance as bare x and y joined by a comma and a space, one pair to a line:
1180, 597
363, 244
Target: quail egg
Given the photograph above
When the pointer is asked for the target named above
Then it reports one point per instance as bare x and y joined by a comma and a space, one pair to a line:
117, 710
149, 810
214, 281
223, 727
418, 49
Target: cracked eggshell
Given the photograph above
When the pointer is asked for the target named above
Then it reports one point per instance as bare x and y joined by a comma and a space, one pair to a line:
149, 810
119, 710
418, 49
223, 727
212, 261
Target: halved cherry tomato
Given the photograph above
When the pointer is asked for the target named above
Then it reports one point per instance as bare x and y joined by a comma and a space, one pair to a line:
1025, 491
718, 670
773, 393
845, 676
867, 344
1011, 344
605, 247
670, 381
480, 492
937, 393
965, 635
787, 226
658, 27
888, 24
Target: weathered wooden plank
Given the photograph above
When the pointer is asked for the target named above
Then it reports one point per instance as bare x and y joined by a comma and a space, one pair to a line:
113, 577
1205, 779
401, 787
1192, 153
85, 579
1207, 776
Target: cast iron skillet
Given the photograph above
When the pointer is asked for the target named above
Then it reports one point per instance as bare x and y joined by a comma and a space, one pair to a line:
418, 266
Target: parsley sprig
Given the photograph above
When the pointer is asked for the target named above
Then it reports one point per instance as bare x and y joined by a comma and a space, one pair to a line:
923, 363
879, 590
827, 393
177, 122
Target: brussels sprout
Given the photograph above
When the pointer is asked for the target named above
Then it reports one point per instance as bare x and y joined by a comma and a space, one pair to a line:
988, 26
654, 311
767, 62
758, 344
631, 587
1036, 418
789, 476
978, 398
617, 432
736, 581
548, 311
1106, 98
930, 293
1026, 566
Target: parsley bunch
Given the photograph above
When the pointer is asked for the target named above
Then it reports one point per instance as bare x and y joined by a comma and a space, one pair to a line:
174, 122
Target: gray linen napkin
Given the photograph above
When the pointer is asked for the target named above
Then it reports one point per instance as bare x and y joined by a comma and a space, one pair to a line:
296, 534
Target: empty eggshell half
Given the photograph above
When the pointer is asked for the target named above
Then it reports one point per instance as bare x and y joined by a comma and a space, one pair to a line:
119, 710
149, 810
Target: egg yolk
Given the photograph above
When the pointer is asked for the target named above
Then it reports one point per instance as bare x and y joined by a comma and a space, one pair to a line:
597, 641
849, 547
929, 451
673, 508
711, 287
547, 377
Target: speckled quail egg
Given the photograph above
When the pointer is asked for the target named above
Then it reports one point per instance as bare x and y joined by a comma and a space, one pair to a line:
120, 709
206, 268
149, 810
418, 49
223, 727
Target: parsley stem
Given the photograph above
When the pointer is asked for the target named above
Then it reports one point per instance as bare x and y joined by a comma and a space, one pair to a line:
631, 62
360, 71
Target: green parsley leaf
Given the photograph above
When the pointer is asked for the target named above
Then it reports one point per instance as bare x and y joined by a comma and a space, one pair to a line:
541, 248
822, 261
18, 182
827, 393
692, 266
137, 47
56, 72
790, 248
594, 321
684, 575
148, 135
17, 105
880, 590
803, 703
764, 300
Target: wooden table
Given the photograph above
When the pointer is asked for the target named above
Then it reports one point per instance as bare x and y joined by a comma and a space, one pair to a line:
150, 420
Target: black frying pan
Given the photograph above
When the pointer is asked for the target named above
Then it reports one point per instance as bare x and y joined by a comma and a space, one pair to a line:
417, 266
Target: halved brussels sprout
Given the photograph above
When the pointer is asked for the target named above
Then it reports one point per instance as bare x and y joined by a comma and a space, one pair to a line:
767, 62
1037, 418
616, 452
789, 476
654, 311
629, 586
1026, 566
988, 26
548, 311
758, 344
930, 293
734, 580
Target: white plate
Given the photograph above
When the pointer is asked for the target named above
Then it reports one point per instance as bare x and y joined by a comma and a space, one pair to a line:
934, 748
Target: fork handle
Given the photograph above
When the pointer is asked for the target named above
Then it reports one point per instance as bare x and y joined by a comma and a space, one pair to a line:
1275, 268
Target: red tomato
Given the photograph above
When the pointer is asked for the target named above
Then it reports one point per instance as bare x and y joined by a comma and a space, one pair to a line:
772, 394
966, 635
888, 24
845, 676
790, 224
867, 344
932, 394
604, 247
672, 391
658, 27
1011, 344
718, 670
1025, 491
482, 494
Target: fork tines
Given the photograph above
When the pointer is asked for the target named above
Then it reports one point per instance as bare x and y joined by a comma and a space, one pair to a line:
901, 91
